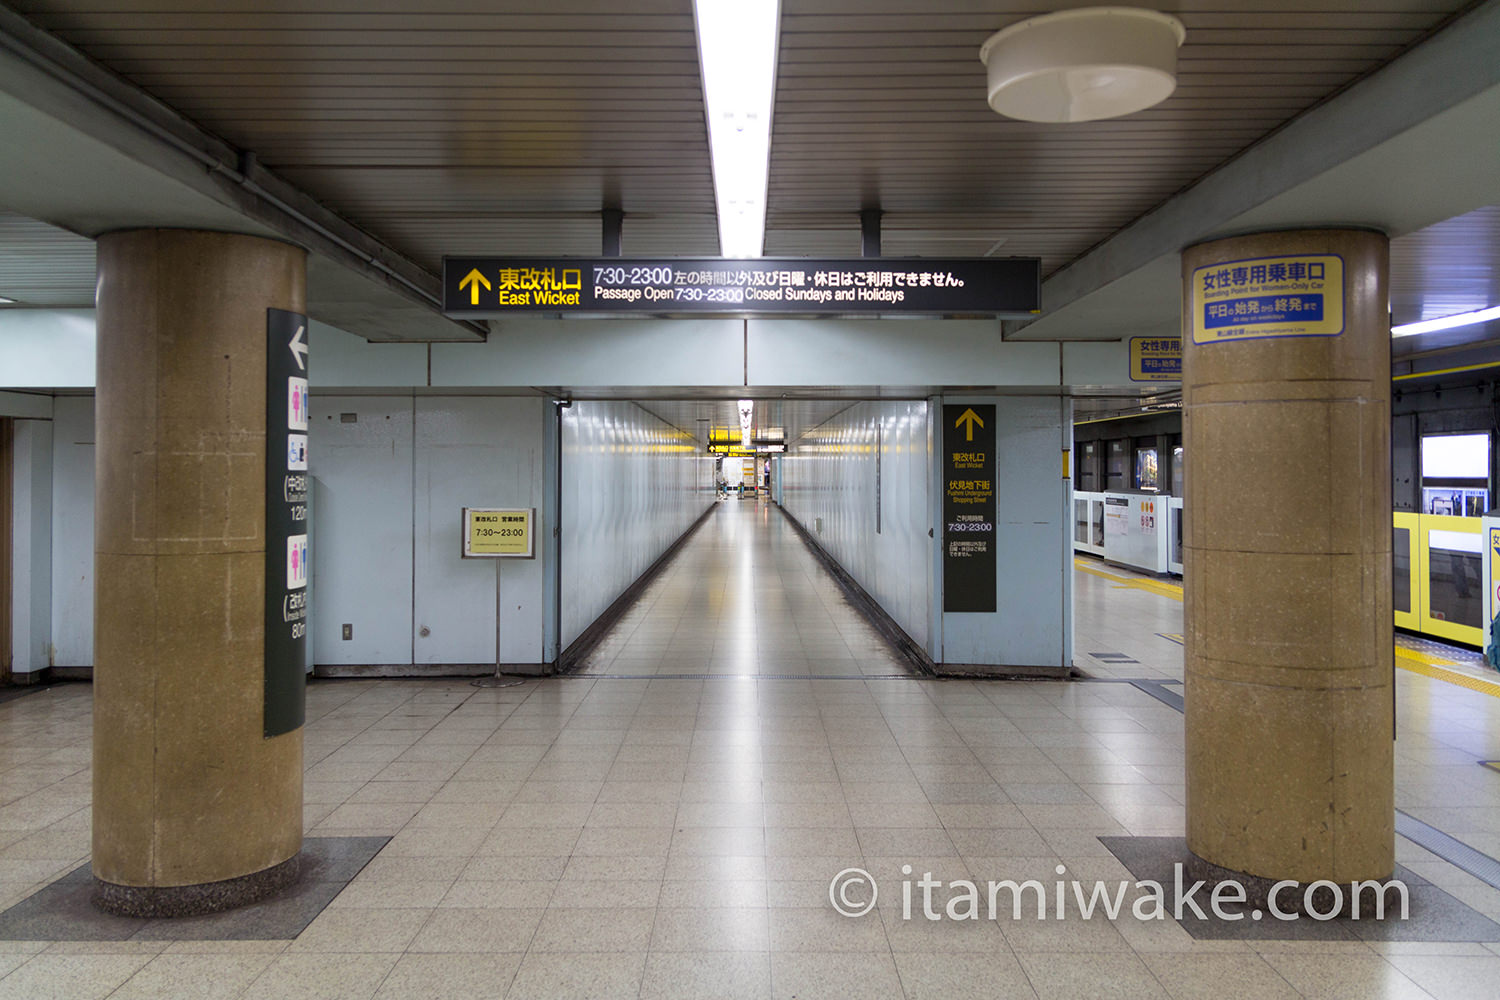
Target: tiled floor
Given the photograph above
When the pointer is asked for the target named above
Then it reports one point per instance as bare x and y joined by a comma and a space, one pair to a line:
675, 836
744, 597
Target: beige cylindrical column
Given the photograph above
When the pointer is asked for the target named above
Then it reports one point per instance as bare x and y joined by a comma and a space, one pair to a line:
194, 810
1287, 556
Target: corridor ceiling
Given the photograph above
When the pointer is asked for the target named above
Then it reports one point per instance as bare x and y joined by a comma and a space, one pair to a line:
494, 127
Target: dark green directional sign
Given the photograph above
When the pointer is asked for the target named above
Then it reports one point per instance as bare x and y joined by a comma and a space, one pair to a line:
969, 508
287, 551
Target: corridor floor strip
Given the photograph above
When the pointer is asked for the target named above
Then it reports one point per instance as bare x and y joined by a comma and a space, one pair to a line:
735, 677
1161, 693
1455, 852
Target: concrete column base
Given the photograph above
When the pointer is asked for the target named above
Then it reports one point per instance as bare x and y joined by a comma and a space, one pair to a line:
195, 900
1323, 902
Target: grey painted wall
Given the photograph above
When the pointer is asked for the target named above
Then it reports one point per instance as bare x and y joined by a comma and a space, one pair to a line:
73, 531
389, 488
31, 547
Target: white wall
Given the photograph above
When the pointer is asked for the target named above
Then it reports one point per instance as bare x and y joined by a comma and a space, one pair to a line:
631, 485
54, 348
46, 348
362, 535
482, 451
389, 482
73, 531
830, 474
389, 488
31, 546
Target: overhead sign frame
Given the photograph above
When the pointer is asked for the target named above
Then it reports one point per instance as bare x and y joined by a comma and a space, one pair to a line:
497, 287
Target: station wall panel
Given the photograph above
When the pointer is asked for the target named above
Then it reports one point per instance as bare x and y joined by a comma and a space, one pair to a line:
73, 531
483, 451
631, 485
1033, 542
829, 484
360, 459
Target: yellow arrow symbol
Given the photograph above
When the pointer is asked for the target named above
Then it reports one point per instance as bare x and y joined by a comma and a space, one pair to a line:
472, 281
971, 418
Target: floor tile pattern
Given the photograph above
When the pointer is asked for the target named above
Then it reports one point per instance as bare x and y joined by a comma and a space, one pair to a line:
647, 835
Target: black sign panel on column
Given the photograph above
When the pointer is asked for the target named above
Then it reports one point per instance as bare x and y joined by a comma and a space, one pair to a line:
287, 550
968, 508
494, 287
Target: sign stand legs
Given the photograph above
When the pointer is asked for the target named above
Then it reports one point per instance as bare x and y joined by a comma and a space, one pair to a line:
498, 680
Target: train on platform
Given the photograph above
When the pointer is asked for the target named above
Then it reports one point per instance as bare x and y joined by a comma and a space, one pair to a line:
1445, 430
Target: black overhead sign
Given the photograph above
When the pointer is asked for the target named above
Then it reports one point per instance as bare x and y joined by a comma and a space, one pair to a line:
494, 287
286, 521
968, 508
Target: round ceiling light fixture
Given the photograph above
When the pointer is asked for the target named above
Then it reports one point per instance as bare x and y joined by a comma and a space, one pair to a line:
1082, 65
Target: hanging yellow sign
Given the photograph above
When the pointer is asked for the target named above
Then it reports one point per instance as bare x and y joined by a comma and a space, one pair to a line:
1155, 359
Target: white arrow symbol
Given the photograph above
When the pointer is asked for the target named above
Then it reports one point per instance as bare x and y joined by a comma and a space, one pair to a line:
299, 348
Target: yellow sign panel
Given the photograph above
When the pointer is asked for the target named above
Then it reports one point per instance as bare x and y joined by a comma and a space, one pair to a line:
1155, 359
1494, 575
1295, 296
499, 533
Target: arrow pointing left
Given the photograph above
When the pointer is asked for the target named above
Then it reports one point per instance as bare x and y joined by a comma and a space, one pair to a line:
472, 281
299, 348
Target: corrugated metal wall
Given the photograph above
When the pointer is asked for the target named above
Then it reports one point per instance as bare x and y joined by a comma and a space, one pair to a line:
631, 485
872, 455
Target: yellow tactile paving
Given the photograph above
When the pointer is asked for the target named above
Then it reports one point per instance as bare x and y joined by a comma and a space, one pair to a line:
1452, 677
1415, 661
1164, 589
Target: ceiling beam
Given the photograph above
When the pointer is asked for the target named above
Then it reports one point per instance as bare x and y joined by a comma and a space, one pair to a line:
1388, 151
100, 153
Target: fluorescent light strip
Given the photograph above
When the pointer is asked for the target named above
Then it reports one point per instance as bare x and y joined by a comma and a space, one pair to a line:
747, 413
737, 42
1446, 322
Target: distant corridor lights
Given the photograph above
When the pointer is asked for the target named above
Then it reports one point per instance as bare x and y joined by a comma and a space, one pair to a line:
737, 57
1446, 322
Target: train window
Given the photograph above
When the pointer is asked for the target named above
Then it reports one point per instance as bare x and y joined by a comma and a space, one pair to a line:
1401, 568
1088, 467
1147, 472
1177, 470
1116, 470
1454, 567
